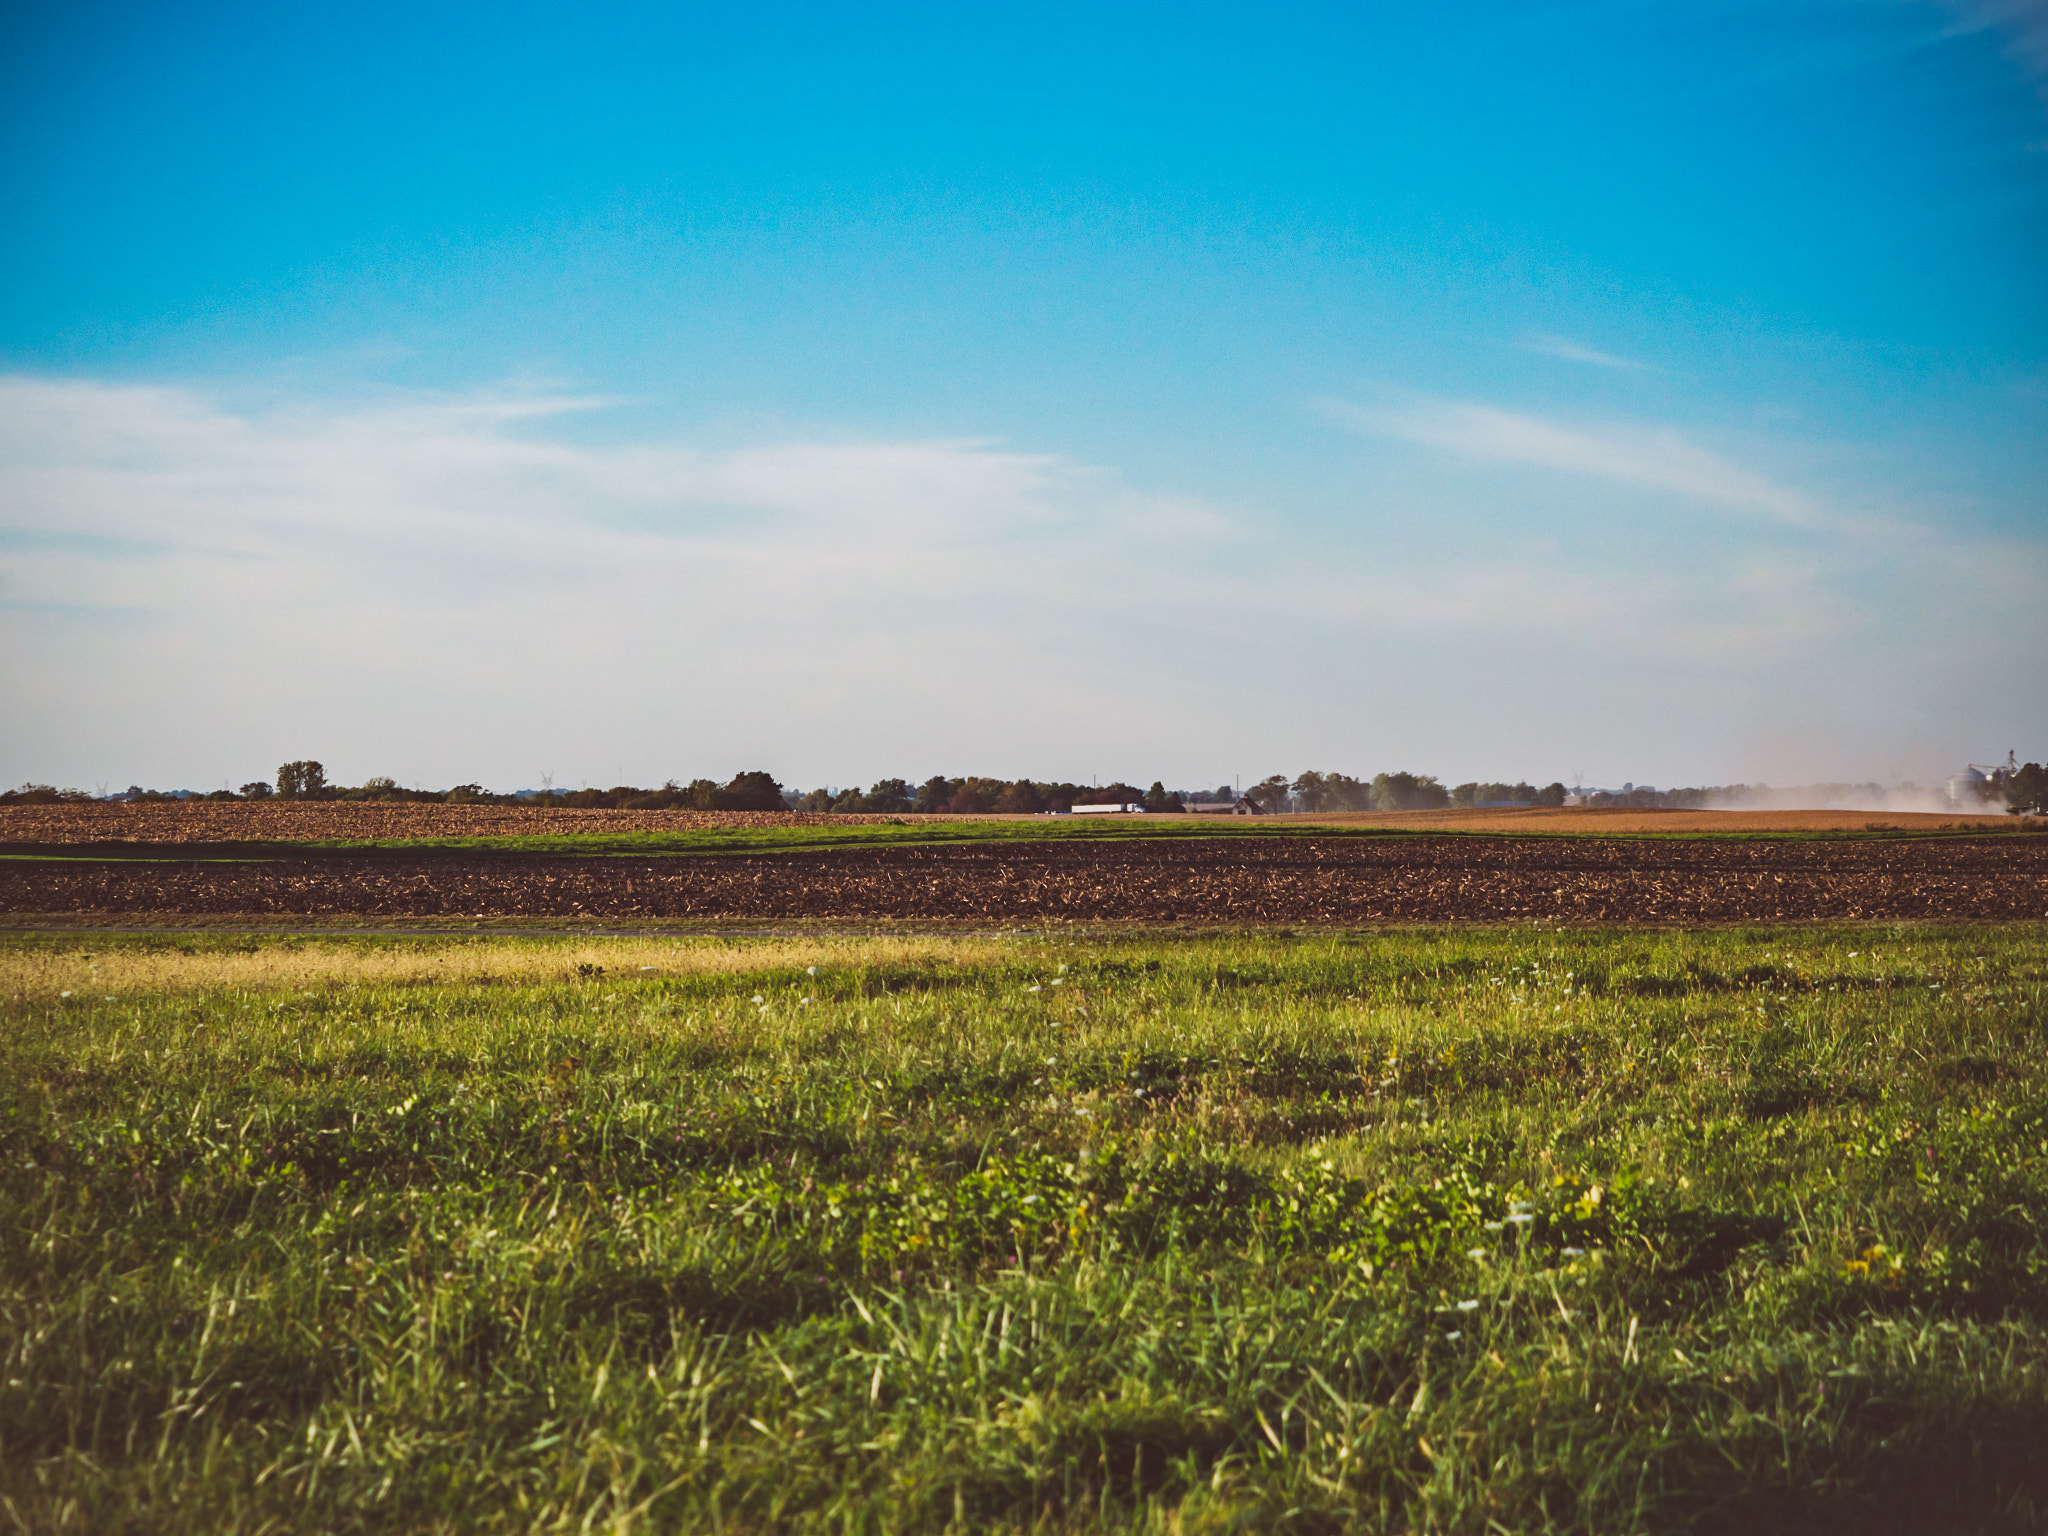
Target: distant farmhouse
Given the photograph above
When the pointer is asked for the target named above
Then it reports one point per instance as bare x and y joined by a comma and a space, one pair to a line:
1243, 805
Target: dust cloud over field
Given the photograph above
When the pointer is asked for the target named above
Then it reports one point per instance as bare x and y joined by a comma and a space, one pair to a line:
1618, 820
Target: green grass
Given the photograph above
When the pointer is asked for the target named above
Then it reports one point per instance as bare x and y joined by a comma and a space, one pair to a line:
1461, 1230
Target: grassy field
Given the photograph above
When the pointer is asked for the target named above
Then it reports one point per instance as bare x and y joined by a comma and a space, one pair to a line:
1456, 1230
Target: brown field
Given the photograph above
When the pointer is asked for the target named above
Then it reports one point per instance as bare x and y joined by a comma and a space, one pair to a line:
1226, 880
325, 821
309, 821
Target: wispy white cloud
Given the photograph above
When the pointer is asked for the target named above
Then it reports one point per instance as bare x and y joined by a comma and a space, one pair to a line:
470, 587
1656, 458
1571, 352
2023, 24
333, 559
370, 486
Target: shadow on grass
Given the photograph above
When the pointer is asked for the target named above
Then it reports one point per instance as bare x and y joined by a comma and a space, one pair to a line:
642, 1310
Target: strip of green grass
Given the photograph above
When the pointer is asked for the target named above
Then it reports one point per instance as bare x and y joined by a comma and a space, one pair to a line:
1438, 1230
813, 838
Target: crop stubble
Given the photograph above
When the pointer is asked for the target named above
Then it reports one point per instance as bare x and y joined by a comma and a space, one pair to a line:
209, 821
286, 821
1260, 880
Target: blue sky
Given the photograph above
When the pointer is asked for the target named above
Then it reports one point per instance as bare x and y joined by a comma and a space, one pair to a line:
1635, 391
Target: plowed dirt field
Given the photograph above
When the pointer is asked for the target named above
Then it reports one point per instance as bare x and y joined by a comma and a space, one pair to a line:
1278, 880
267, 821
305, 821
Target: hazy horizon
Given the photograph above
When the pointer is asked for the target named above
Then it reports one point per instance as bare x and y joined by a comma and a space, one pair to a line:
1864, 796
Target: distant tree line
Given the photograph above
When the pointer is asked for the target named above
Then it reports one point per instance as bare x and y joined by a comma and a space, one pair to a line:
750, 791
1341, 792
2018, 789
307, 780
1643, 798
1274, 794
973, 796
1507, 794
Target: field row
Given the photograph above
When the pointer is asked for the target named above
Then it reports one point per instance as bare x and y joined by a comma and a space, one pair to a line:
210, 823
1235, 879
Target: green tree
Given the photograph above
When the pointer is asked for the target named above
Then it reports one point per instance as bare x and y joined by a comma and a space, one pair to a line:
1551, 794
1345, 793
889, 797
754, 791
1118, 793
935, 793
1408, 792
1159, 802
1022, 798
303, 780
1270, 793
44, 794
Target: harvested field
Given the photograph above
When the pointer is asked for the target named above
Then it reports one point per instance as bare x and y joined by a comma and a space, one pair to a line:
308, 821
197, 821
1263, 880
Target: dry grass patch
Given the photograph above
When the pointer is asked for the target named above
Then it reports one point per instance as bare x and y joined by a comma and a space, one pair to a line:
45, 973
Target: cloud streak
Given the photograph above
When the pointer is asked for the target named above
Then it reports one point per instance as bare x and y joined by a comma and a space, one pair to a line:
2022, 23
378, 486
1571, 352
1653, 458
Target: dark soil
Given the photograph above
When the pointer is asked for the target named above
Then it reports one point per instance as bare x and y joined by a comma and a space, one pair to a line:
1293, 880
